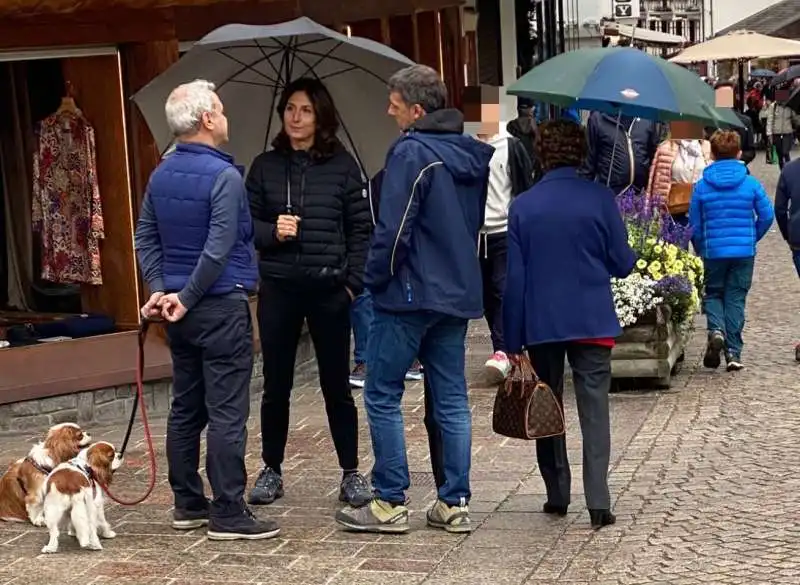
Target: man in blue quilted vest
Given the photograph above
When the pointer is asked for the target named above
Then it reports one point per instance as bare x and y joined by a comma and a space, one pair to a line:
194, 241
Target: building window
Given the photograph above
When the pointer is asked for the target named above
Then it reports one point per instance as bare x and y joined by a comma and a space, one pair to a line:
664, 26
679, 28
692, 31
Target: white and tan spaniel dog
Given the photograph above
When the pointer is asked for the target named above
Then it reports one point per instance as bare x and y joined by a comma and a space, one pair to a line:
21, 485
73, 497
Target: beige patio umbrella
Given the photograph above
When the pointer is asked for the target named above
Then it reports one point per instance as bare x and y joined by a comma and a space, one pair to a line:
739, 45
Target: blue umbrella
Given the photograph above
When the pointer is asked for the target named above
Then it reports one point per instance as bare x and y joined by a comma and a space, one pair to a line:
762, 73
623, 81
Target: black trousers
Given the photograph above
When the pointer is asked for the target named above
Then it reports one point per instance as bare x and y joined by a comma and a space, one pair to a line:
591, 372
492, 251
212, 363
281, 313
435, 446
783, 146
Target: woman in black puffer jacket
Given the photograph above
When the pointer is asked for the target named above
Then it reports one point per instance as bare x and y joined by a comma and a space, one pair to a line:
312, 226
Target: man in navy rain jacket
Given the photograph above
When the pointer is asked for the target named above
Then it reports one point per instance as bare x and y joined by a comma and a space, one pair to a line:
194, 240
424, 274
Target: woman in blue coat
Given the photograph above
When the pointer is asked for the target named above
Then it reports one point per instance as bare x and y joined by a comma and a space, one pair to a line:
729, 213
566, 239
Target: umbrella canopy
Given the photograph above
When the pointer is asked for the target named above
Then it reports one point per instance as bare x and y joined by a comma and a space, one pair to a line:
794, 100
762, 73
786, 75
251, 65
740, 44
623, 80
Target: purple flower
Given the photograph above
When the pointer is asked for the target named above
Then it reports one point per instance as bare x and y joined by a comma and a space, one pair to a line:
674, 285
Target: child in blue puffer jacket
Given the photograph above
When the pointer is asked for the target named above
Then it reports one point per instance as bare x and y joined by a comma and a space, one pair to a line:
729, 213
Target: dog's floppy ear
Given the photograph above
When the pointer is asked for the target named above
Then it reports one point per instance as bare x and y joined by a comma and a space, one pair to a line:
100, 456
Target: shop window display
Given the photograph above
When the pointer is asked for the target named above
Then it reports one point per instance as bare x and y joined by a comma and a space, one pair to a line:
52, 211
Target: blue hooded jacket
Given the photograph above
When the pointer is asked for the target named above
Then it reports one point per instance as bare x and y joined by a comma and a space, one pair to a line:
433, 197
729, 212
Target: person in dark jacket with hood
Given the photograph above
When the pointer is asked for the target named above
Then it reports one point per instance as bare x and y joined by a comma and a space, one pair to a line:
627, 163
312, 225
787, 214
425, 278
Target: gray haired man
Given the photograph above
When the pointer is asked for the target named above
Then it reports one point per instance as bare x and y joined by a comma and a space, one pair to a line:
194, 241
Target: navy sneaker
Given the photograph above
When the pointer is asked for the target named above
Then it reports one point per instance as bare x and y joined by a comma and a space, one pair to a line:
714, 347
355, 490
268, 488
189, 519
243, 527
358, 377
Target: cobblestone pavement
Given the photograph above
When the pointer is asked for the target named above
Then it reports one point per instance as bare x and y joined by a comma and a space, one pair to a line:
704, 480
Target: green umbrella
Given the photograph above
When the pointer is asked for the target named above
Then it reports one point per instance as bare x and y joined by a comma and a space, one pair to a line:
623, 81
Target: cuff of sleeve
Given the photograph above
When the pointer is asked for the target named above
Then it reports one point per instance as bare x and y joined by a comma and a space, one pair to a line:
187, 299
156, 285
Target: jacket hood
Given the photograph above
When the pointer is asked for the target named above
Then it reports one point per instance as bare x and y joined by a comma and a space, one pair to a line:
725, 174
466, 158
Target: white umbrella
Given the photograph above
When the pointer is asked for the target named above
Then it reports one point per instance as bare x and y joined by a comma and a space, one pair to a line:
252, 64
740, 44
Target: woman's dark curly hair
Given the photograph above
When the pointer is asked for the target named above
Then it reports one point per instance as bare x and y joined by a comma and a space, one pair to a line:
560, 143
325, 139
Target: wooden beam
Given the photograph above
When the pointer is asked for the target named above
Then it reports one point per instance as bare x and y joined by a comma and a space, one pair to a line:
386, 34
99, 28
192, 23
427, 39
402, 34
369, 29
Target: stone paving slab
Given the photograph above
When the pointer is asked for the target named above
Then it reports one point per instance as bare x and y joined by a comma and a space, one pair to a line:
704, 480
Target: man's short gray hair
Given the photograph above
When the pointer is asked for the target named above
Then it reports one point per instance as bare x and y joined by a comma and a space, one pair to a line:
186, 105
420, 84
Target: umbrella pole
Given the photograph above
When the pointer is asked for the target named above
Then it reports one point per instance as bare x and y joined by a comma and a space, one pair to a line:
614, 148
741, 86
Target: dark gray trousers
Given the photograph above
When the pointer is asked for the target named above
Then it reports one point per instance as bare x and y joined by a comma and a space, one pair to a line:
212, 363
591, 372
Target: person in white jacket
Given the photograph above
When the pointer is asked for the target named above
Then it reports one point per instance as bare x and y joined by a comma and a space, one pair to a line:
511, 172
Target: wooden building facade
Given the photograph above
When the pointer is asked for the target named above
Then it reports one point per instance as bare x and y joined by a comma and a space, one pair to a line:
102, 52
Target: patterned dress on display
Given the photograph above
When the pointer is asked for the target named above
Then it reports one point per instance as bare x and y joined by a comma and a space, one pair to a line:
67, 211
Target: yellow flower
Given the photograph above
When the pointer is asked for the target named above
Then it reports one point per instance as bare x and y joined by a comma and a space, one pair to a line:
656, 275
641, 264
655, 265
691, 276
650, 241
679, 266
658, 249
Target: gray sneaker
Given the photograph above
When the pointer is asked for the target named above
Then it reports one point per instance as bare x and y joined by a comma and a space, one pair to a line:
716, 343
377, 516
268, 488
355, 490
415, 373
453, 519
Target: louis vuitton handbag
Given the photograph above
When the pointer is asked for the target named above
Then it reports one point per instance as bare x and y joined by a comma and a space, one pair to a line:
525, 407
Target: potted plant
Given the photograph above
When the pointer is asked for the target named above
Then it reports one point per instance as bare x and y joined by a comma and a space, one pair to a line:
657, 303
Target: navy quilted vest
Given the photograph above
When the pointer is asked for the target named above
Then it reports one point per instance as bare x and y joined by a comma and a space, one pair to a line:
180, 191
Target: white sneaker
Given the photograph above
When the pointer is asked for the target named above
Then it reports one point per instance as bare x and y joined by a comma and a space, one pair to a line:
499, 365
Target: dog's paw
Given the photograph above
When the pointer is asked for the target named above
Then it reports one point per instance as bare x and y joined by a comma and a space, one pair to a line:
38, 520
47, 549
93, 546
108, 534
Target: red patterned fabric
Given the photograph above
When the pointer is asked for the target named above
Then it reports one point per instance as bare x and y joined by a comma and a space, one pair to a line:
67, 211
605, 342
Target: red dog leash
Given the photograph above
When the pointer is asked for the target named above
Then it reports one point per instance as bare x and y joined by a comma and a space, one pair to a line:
138, 401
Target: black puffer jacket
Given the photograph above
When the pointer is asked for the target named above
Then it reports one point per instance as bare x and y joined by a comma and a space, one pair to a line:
601, 132
330, 198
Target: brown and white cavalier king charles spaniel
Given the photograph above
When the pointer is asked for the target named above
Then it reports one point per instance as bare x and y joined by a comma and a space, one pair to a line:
21, 495
73, 497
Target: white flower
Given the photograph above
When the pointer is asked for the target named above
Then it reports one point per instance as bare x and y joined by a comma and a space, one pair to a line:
633, 297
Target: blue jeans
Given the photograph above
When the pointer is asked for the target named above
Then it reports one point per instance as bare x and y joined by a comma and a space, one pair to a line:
439, 341
727, 283
361, 314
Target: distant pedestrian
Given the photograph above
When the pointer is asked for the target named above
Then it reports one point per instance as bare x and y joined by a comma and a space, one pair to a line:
424, 276
787, 214
551, 312
194, 240
729, 213
312, 225
782, 123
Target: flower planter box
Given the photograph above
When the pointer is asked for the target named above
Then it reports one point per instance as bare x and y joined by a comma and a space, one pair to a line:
650, 349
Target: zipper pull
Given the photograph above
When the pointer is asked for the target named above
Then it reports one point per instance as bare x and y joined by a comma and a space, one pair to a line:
408, 292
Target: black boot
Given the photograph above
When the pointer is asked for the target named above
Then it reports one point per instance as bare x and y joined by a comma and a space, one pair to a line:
549, 508
601, 518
